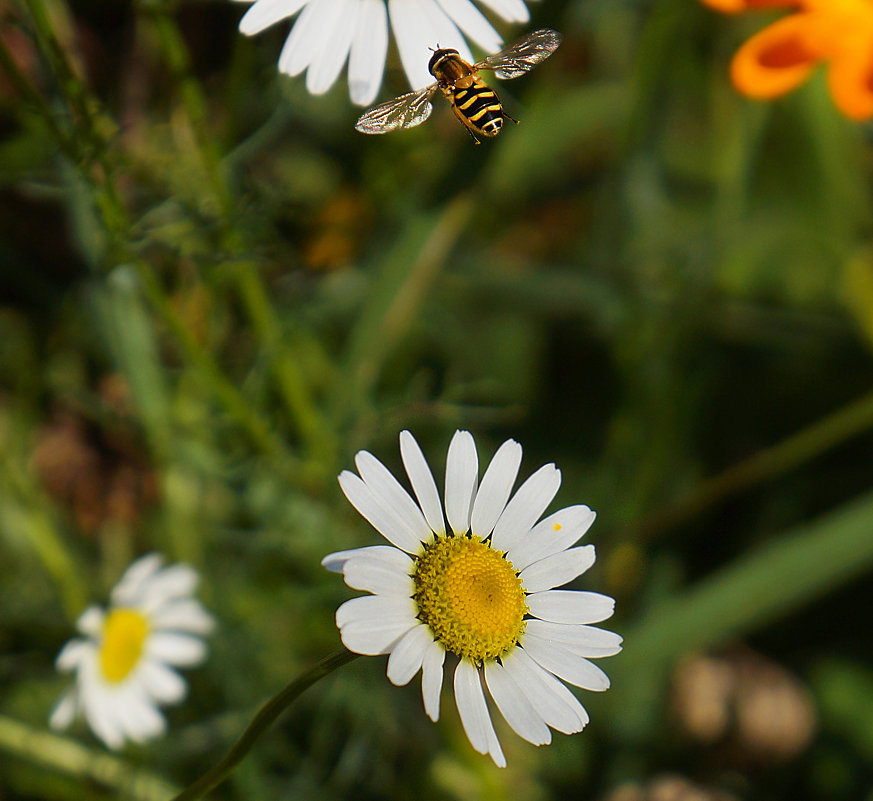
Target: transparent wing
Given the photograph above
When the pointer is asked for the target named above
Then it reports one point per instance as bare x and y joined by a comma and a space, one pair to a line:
405, 111
523, 55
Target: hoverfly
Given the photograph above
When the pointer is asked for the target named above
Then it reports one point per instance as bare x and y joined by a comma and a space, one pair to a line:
474, 103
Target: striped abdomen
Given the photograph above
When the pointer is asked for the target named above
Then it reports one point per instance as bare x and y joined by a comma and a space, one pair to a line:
478, 108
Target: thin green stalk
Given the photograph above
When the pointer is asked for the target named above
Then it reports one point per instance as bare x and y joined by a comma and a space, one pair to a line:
262, 721
229, 396
86, 764
833, 430
406, 275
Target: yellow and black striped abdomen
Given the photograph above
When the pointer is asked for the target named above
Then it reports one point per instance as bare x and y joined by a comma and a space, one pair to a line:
478, 108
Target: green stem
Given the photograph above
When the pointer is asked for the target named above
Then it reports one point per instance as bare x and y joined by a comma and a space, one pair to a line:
69, 757
262, 721
792, 452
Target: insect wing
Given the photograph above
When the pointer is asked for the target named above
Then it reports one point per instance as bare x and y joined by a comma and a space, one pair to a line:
523, 55
405, 111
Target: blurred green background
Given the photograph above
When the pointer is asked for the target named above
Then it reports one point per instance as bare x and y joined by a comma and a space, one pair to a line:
213, 291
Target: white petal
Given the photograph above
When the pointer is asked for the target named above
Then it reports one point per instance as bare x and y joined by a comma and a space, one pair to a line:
65, 710
432, 680
72, 653
419, 25
374, 637
96, 705
462, 474
552, 535
137, 715
307, 37
514, 706
374, 607
558, 569
558, 706
564, 663
176, 649
328, 62
587, 641
495, 488
161, 682
422, 481
176, 581
373, 575
408, 654
510, 10
391, 495
475, 719
526, 507
139, 571
473, 23
367, 59
183, 615
265, 13
570, 606
385, 521
334, 561
90, 622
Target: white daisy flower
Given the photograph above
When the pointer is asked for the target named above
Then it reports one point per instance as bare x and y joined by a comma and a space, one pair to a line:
124, 664
329, 32
481, 590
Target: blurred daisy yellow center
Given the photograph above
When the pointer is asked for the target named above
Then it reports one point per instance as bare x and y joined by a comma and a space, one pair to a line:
124, 634
470, 596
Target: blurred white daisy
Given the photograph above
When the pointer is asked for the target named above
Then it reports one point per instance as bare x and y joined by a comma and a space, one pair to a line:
329, 32
124, 663
482, 590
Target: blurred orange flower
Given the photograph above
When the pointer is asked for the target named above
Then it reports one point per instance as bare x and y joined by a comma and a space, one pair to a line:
838, 33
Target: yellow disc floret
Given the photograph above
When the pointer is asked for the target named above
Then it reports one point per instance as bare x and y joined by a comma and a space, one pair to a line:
124, 634
470, 596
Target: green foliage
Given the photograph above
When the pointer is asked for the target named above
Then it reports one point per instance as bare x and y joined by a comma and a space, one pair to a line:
213, 291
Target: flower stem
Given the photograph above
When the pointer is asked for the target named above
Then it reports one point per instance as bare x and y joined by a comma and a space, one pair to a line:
263, 720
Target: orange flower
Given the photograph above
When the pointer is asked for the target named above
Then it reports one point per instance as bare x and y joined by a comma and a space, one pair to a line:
736, 6
838, 33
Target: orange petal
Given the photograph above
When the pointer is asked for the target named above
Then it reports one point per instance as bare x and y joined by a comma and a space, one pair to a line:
736, 6
850, 79
776, 60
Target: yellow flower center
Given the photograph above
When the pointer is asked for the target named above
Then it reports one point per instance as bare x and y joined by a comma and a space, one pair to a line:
124, 634
470, 596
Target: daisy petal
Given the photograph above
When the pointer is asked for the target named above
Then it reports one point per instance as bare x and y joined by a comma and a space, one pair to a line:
264, 13
186, 615
509, 10
71, 655
307, 37
328, 62
564, 663
514, 706
558, 706
552, 535
473, 23
334, 561
421, 478
391, 495
473, 711
570, 606
175, 581
432, 680
162, 683
90, 622
587, 641
176, 649
462, 472
408, 654
526, 507
369, 48
375, 606
386, 522
65, 710
558, 569
495, 488
373, 575
374, 637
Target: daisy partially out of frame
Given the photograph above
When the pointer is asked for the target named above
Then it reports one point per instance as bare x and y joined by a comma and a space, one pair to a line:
837, 34
482, 590
328, 33
124, 661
